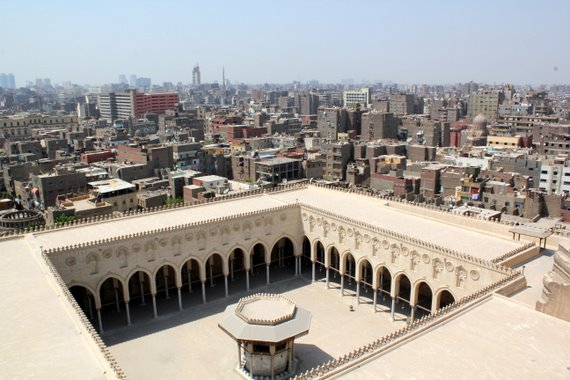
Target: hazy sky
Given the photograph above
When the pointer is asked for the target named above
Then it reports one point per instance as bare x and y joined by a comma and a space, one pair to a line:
426, 41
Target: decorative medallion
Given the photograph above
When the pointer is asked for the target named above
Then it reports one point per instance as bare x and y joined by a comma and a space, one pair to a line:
333, 227
107, 253
236, 227
70, 261
319, 222
213, 231
136, 247
163, 242
189, 236
349, 232
366, 238
283, 217
474, 275
425, 258
385, 244
449, 266
258, 222
305, 216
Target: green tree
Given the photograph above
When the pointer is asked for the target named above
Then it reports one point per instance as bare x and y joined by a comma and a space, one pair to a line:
173, 201
62, 219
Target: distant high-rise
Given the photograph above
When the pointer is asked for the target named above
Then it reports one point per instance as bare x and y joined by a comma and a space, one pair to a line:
123, 79
143, 83
133, 80
3, 80
11, 81
196, 80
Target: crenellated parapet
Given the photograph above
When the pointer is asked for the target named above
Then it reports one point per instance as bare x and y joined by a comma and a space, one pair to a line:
86, 326
419, 259
338, 365
90, 262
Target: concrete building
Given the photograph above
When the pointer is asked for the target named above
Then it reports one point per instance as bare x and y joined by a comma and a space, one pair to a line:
47, 187
113, 106
356, 98
555, 176
121, 195
485, 102
337, 154
196, 77
379, 125
214, 183
278, 170
330, 122
405, 104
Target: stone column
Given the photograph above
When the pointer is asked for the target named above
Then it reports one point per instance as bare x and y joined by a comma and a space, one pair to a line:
166, 286
189, 278
413, 313
267, 273
100, 320
128, 313
290, 352
227, 294
296, 266
239, 355
299, 258
211, 268
357, 292
247, 280
342, 285
313, 269
375, 301
393, 308
154, 305
142, 292
232, 269
179, 299
203, 292
272, 353
117, 305
327, 278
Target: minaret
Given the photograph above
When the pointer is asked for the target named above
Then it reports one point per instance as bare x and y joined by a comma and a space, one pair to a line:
223, 86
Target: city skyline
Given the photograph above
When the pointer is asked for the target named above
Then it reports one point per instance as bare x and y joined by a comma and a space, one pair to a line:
514, 42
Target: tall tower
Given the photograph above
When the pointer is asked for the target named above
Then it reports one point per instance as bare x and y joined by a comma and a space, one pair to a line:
224, 78
196, 80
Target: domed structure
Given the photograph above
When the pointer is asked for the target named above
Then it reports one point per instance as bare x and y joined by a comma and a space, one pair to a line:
480, 123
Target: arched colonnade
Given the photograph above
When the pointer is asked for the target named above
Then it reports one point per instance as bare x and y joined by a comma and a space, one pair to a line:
115, 293
328, 264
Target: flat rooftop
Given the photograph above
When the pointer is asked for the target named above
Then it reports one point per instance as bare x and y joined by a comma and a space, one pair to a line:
40, 331
372, 210
497, 338
111, 184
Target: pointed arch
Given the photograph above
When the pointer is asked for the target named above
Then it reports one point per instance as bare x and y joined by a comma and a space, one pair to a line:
443, 297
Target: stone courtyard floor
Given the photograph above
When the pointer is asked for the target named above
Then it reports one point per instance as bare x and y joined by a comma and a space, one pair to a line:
189, 344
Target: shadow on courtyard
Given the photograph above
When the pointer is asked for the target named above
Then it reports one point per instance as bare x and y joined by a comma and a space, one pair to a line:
311, 355
169, 316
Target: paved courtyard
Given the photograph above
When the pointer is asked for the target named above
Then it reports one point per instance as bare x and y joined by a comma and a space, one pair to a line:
534, 272
189, 344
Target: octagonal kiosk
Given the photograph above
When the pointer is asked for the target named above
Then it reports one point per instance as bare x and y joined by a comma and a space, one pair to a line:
265, 327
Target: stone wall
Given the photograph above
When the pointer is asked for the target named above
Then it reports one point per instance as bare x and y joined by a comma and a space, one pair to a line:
556, 291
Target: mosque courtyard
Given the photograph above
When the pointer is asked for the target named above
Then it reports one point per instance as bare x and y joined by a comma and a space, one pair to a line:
189, 344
